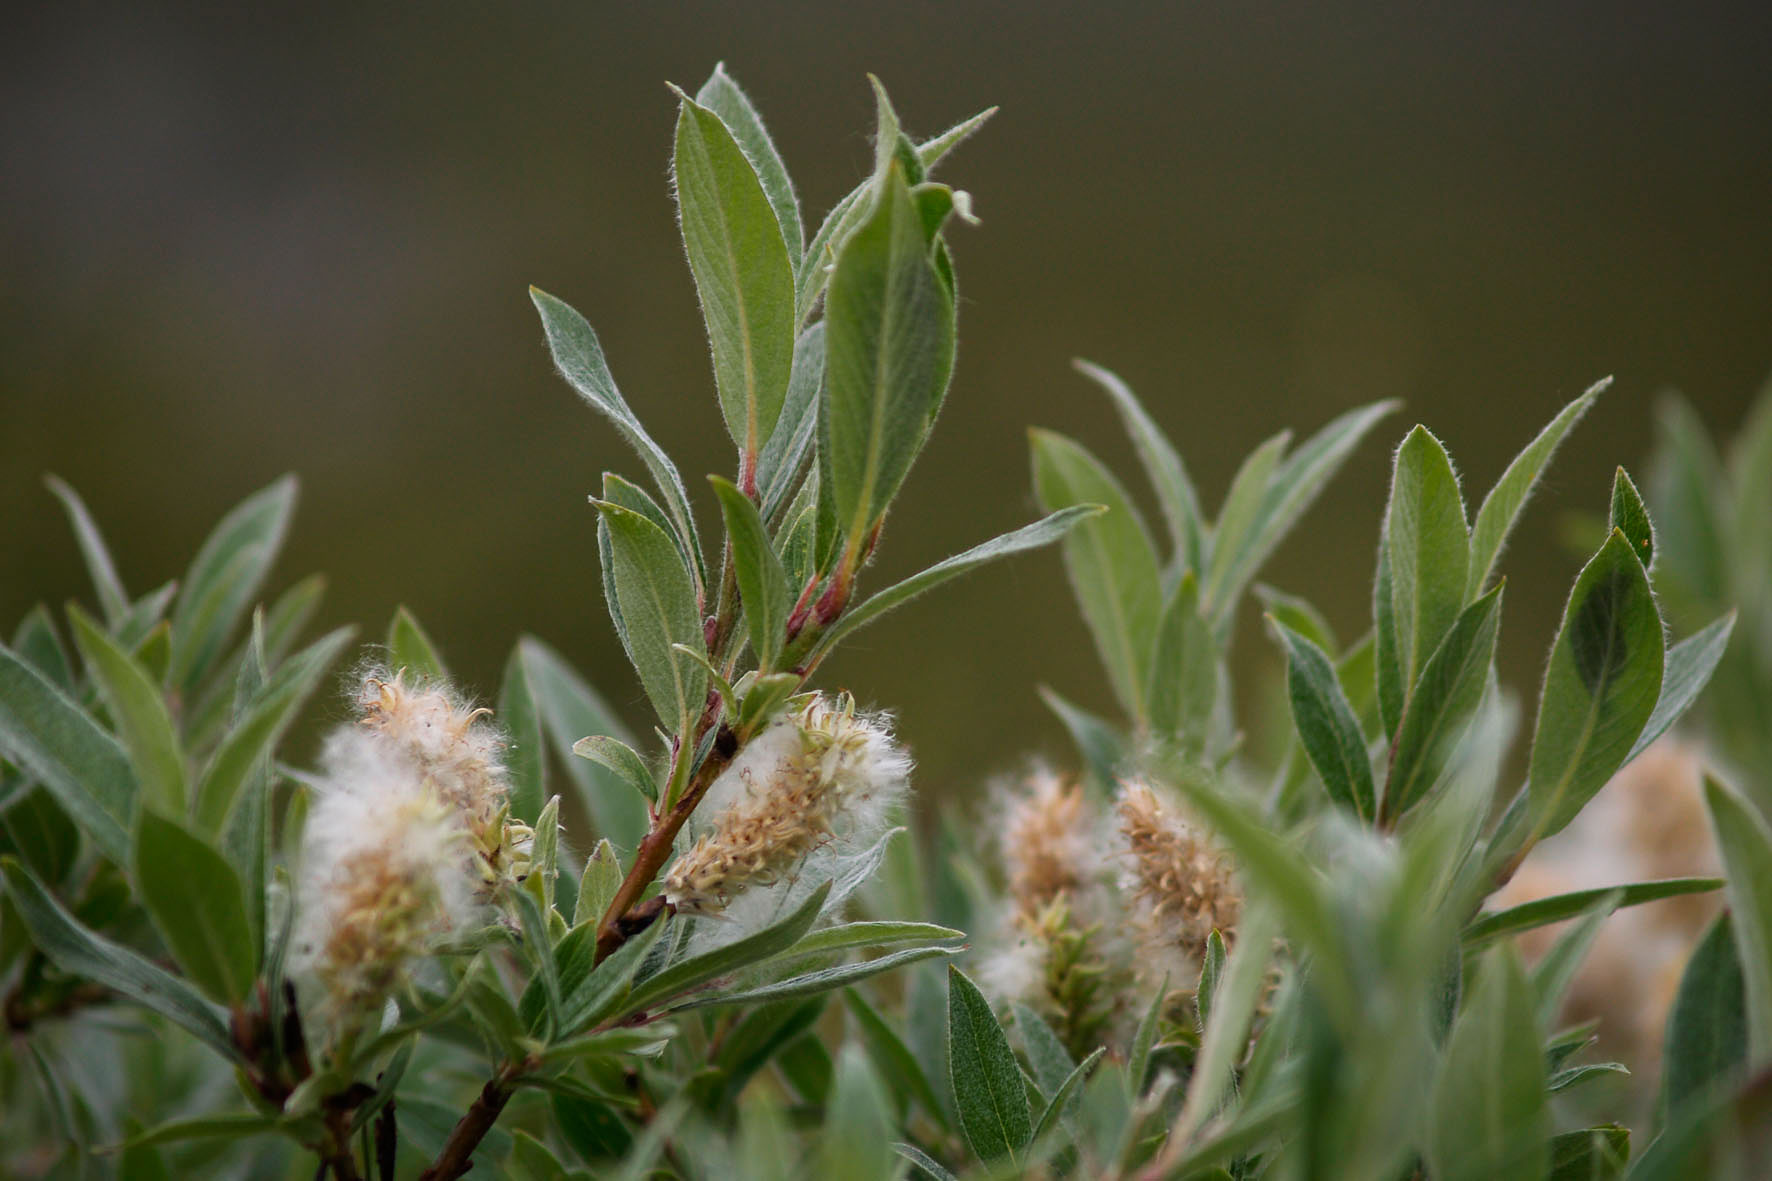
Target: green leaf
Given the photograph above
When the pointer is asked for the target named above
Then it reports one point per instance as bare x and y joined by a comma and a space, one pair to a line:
1061, 1098
762, 582
876, 933
893, 1058
658, 605
620, 758
34, 827
1690, 664
1162, 464
820, 980
726, 959
1211, 972
410, 648
931, 151
598, 884
113, 600
889, 349
232, 1126
925, 1164
1632, 519
854, 1142
1542, 912
1184, 668
580, 361
1051, 1062
1553, 972
1489, 1116
1293, 488
1501, 508
1238, 519
1590, 1154
1110, 560
84, 953
218, 589
1445, 703
987, 1082
1042, 532
525, 756
255, 737
569, 709
1299, 615
1429, 549
1103, 748
39, 647
1387, 666
197, 904
1233, 1006
592, 994
1745, 841
780, 466
539, 951
743, 273
1600, 689
1139, 1060
53, 740
1705, 1049
138, 710
1327, 727
721, 95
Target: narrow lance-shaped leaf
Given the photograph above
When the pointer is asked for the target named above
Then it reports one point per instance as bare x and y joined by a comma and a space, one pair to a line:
1501, 508
1429, 549
1600, 689
987, 1082
1045, 531
137, 709
579, 357
1111, 562
1690, 664
196, 901
224, 577
1445, 702
1632, 519
45, 733
1184, 669
525, 758
1489, 1117
619, 758
779, 467
889, 353
1238, 519
1162, 464
570, 709
410, 648
658, 606
1326, 724
1707, 1029
743, 273
1745, 841
1542, 912
113, 600
721, 95
762, 583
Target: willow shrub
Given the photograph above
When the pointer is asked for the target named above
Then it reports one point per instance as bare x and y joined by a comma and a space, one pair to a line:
396, 962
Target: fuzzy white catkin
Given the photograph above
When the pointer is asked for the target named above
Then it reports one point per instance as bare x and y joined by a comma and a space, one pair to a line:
406, 839
804, 801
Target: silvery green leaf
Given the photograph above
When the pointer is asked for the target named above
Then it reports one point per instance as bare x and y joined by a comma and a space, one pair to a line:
762, 582
1162, 464
889, 352
82, 952
1630, 517
817, 981
1103, 748
137, 709
1326, 725
658, 606
410, 648
37, 646
1745, 841
721, 95
598, 885
579, 358
1238, 520
1111, 562
1501, 508
525, 757
51, 738
219, 587
893, 1058
1444, 704
692, 973
1707, 1031
1600, 689
1690, 664
743, 273
198, 905
570, 709
1429, 549
113, 600
620, 758
784, 456
1489, 1116
1557, 908
987, 1082
1184, 668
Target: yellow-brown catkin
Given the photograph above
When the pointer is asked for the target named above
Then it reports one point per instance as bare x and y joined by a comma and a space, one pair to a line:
1184, 887
1045, 844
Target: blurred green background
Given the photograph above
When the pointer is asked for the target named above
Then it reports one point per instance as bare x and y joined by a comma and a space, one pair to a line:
239, 244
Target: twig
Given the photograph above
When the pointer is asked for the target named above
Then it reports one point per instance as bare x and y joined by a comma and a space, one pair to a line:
457, 1156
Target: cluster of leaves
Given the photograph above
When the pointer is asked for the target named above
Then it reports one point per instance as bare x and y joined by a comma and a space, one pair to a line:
1372, 1018
151, 830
